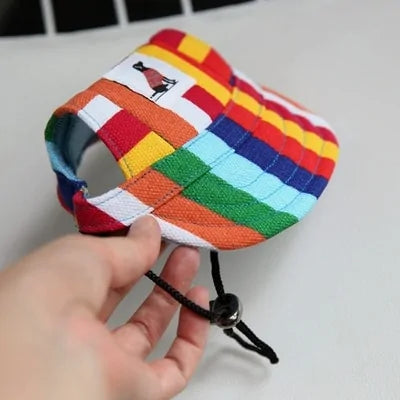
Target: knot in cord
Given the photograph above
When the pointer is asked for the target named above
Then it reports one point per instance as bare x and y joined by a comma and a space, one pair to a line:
225, 311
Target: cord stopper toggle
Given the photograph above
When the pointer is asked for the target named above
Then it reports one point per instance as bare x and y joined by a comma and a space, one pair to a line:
226, 311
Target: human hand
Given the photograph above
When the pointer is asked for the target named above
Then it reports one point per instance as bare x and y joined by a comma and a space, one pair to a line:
54, 343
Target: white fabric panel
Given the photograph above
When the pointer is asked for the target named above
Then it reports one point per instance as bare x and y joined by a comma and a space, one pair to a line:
126, 75
172, 99
121, 205
98, 111
315, 119
126, 208
192, 114
180, 235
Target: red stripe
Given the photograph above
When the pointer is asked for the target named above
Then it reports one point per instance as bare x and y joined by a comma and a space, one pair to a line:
122, 132
92, 220
171, 37
216, 63
204, 100
248, 89
281, 143
304, 123
325, 168
203, 67
241, 116
270, 134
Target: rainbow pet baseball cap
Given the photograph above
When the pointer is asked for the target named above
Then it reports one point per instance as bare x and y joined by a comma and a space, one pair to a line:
220, 161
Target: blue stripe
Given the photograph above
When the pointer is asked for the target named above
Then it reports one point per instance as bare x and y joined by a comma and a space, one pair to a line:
67, 189
243, 174
58, 163
68, 182
263, 155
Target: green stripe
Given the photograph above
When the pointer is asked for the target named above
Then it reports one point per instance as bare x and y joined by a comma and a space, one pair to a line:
207, 189
49, 131
181, 166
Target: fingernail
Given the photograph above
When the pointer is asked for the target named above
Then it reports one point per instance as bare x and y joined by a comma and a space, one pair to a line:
145, 225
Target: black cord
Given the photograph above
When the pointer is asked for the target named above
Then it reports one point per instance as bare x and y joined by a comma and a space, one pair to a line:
216, 273
256, 345
178, 296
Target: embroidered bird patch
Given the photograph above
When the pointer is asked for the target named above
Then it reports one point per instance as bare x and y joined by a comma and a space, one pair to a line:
158, 82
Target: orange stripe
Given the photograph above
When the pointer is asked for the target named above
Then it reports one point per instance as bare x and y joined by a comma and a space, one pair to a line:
204, 223
76, 103
151, 187
166, 123
161, 193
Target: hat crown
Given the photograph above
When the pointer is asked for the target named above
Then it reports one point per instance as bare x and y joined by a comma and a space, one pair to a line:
220, 161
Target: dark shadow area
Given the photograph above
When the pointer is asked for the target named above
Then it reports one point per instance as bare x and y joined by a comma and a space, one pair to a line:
147, 9
25, 17
199, 5
73, 15
20, 17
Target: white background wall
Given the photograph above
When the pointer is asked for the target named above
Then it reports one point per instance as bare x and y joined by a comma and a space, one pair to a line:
326, 293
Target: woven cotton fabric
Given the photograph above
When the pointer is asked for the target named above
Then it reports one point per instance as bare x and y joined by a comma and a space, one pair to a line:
220, 161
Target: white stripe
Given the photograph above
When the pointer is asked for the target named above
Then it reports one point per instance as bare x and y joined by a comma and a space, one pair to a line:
127, 75
98, 111
191, 113
173, 99
179, 235
121, 205
126, 208
314, 119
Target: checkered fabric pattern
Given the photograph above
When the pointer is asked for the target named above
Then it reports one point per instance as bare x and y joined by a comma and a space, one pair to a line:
218, 160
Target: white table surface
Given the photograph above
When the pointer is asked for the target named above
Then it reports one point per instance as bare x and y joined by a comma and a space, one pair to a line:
326, 293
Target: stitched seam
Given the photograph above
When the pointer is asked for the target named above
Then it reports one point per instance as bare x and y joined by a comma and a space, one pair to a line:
273, 162
176, 191
307, 116
171, 193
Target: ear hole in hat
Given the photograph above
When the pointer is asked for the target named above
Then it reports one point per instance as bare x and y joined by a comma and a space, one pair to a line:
80, 159
100, 170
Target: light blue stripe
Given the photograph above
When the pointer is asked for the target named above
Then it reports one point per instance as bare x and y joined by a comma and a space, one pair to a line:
58, 164
208, 147
242, 174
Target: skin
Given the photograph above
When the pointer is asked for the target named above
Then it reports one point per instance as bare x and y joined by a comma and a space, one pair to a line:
54, 343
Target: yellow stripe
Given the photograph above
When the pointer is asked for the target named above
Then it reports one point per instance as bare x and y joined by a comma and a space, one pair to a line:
203, 80
149, 150
194, 48
309, 140
246, 101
